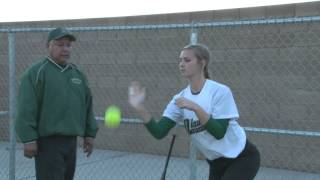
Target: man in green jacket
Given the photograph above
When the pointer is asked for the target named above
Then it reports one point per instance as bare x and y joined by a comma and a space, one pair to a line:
54, 107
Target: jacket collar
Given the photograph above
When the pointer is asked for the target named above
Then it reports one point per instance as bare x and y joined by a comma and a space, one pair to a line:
57, 65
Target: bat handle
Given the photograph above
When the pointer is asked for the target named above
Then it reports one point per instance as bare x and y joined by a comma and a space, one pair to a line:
163, 177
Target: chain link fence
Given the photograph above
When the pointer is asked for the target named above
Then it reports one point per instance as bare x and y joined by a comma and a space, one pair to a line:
272, 67
4, 106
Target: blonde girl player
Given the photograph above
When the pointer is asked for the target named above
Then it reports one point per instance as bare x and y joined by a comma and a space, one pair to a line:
210, 117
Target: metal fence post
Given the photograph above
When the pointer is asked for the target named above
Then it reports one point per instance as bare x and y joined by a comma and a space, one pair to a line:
12, 105
192, 148
193, 36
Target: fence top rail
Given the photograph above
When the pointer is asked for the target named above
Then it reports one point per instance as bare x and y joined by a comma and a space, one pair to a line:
249, 129
283, 131
4, 113
172, 26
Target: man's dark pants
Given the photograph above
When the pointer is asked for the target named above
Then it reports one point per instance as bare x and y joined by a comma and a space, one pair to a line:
56, 158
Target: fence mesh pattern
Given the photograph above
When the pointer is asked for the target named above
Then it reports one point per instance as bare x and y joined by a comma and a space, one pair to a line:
271, 68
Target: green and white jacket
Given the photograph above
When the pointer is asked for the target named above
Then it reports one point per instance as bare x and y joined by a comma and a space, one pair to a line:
54, 100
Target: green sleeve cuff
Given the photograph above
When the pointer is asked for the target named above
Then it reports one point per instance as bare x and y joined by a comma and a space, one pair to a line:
91, 127
161, 128
217, 127
91, 122
91, 133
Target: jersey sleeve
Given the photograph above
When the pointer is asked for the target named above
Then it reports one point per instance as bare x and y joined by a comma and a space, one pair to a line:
224, 106
161, 128
172, 111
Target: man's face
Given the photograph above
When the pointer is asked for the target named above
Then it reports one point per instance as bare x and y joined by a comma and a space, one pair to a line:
60, 50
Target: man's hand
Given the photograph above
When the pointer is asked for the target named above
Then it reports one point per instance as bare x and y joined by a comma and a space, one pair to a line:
30, 149
88, 145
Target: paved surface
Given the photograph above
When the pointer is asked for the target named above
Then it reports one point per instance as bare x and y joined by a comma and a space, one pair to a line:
113, 165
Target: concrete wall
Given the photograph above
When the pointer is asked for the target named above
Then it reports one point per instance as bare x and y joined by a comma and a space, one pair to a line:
112, 59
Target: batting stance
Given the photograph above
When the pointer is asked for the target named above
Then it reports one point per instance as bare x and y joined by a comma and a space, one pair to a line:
209, 113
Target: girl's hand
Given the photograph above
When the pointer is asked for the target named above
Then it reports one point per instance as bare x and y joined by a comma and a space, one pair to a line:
136, 95
183, 102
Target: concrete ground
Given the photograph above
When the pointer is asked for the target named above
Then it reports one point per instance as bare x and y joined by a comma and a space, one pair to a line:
113, 165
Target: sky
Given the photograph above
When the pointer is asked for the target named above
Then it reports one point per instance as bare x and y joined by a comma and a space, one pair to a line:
42, 10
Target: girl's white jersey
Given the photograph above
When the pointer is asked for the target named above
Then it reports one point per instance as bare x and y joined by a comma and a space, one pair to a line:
216, 99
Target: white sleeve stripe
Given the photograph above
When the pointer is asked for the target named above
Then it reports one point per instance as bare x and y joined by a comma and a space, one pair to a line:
39, 70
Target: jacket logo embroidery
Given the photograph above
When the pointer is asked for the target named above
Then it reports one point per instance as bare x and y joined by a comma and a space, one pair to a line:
76, 81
